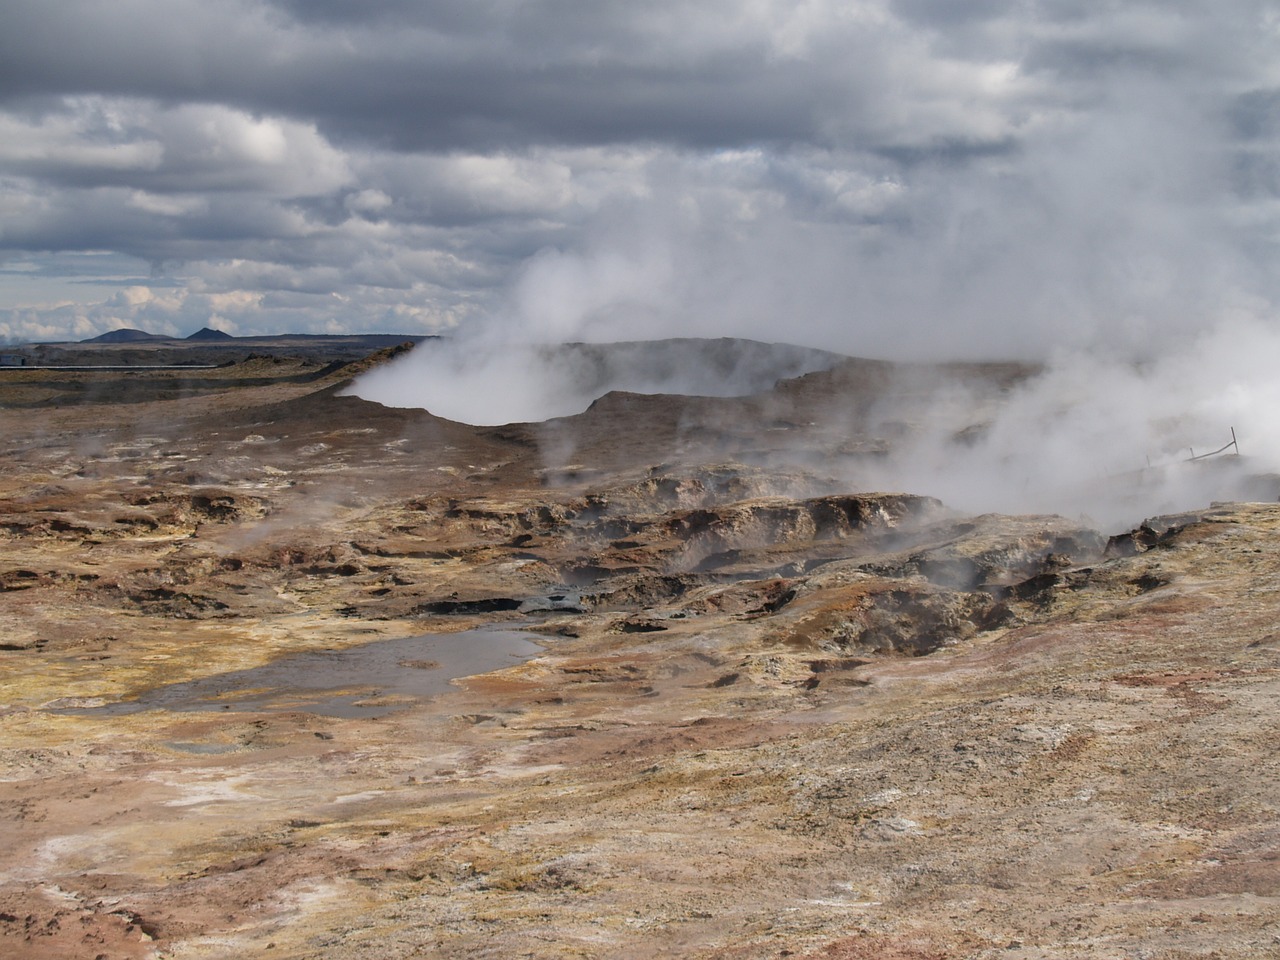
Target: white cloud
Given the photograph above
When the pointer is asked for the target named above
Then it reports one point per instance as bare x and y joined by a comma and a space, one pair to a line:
64, 142
212, 147
368, 202
94, 140
886, 175
168, 205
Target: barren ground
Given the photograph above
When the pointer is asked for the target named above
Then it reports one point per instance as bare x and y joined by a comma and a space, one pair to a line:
769, 717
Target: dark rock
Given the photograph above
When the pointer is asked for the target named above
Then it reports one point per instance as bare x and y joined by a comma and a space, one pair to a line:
463, 607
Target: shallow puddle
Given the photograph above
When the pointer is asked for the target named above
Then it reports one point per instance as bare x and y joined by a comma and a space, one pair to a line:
365, 681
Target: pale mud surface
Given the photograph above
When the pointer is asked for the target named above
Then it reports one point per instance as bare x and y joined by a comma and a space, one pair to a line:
771, 716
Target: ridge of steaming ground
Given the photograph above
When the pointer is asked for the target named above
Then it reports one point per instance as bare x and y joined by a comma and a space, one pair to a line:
774, 715
983, 436
489, 384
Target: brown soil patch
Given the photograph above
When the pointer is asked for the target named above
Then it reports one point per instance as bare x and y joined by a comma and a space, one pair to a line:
772, 715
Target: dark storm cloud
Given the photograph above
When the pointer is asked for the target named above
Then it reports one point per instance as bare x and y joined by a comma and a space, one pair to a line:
420, 77
487, 75
500, 75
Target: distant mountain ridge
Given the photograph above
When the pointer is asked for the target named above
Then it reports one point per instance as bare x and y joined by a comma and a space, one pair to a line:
211, 337
126, 335
210, 347
205, 334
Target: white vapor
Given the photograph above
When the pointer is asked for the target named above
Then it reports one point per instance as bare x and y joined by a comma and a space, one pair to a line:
1105, 439
1114, 245
489, 383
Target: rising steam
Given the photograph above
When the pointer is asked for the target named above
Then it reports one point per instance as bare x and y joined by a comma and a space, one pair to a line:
1117, 248
484, 383
1108, 440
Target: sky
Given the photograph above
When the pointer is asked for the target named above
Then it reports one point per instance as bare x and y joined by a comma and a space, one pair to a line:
896, 178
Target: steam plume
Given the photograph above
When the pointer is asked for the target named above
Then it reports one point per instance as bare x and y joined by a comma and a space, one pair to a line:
1117, 246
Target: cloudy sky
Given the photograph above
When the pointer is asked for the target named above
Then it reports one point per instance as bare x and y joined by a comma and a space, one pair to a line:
886, 177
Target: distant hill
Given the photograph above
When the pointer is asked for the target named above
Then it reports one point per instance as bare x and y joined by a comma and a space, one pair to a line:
207, 334
126, 335
212, 347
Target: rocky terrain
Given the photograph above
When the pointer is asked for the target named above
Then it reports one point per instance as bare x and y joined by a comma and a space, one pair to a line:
766, 713
204, 348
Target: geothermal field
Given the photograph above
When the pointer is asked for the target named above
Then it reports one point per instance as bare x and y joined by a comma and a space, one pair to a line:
708, 649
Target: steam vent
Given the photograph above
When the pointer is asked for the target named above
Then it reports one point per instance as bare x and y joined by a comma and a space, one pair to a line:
290, 673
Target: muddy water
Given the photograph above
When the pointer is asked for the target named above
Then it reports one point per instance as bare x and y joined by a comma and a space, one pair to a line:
366, 681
